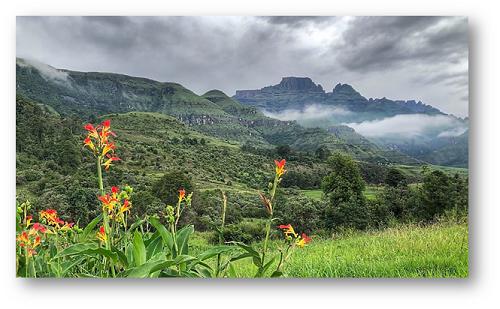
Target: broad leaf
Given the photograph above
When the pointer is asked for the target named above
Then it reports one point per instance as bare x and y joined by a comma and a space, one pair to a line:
139, 250
168, 240
90, 227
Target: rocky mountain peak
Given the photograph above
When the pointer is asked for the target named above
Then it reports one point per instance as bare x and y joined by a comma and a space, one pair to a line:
299, 84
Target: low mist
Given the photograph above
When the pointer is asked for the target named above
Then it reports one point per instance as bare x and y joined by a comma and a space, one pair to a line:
311, 112
411, 125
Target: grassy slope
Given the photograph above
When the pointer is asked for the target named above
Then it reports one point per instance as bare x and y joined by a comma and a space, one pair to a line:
438, 251
214, 113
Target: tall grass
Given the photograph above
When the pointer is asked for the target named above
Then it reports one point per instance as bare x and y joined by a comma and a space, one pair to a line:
437, 251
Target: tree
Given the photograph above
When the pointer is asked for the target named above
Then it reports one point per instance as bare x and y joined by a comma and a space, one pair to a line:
283, 151
322, 152
395, 178
166, 189
344, 181
436, 193
343, 187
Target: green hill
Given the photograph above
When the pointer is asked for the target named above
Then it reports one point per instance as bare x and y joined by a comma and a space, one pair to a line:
92, 94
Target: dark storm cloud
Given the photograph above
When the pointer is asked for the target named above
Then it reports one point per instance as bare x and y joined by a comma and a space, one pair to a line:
373, 43
296, 20
415, 54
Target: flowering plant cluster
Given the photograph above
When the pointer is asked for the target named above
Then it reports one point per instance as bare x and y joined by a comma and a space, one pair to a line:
117, 203
98, 141
111, 247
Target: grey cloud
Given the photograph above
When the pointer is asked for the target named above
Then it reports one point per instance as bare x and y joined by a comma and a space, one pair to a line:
46, 71
412, 125
292, 21
373, 43
230, 53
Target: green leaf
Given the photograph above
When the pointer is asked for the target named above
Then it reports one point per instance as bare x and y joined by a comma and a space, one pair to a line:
268, 264
143, 270
90, 228
155, 246
151, 238
136, 224
241, 256
231, 271
276, 274
183, 239
68, 265
214, 251
121, 256
89, 249
168, 240
252, 253
139, 251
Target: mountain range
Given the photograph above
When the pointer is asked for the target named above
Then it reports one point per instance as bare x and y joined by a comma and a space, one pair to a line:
412, 127
264, 118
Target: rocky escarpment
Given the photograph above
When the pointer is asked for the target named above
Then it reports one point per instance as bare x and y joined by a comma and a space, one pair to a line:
299, 92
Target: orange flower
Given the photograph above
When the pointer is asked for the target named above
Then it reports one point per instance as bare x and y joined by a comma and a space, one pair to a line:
101, 234
51, 218
50, 215
98, 141
23, 239
108, 202
280, 167
182, 194
288, 230
67, 226
125, 207
115, 204
28, 220
107, 148
88, 143
29, 241
108, 162
303, 240
92, 131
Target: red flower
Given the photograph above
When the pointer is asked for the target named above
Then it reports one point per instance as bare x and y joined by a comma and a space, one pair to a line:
89, 127
306, 238
303, 240
115, 190
101, 234
288, 230
182, 194
98, 141
108, 162
39, 227
280, 167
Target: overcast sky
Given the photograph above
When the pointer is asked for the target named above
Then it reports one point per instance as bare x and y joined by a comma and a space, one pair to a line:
421, 58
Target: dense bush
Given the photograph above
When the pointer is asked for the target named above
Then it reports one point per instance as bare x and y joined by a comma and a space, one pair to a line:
165, 189
247, 231
303, 213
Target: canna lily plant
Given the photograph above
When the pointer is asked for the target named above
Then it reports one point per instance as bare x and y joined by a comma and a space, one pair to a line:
260, 259
153, 246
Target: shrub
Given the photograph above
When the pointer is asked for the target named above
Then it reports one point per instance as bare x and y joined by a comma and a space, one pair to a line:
166, 188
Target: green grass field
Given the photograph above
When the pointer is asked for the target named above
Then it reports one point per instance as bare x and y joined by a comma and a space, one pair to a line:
313, 194
414, 171
438, 251
370, 192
